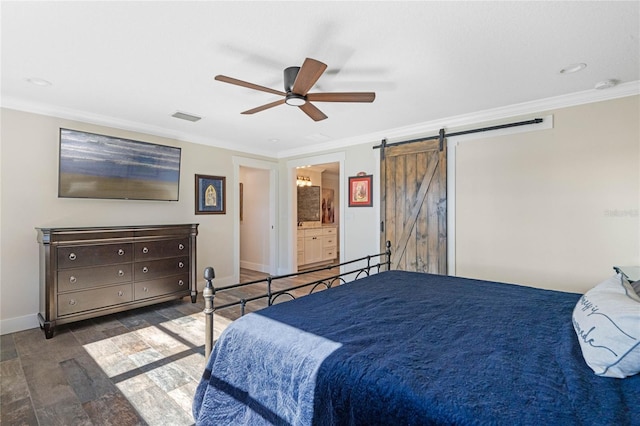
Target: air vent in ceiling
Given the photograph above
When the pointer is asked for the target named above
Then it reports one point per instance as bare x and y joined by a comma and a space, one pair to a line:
185, 116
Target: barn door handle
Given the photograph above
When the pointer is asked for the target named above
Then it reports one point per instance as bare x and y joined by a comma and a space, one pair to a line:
382, 226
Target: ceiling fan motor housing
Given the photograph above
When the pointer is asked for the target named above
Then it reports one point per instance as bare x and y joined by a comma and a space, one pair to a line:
290, 75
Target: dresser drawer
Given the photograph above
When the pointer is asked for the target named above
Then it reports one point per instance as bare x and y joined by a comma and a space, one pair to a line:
71, 303
152, 269
161, 249
78, 279
103, 254
159, 287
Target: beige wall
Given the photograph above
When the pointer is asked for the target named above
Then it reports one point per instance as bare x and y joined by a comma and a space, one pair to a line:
29, 179
554, 208
28, 199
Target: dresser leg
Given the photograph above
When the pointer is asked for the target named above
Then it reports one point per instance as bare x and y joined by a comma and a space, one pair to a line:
47, 326
48, 330
194, 296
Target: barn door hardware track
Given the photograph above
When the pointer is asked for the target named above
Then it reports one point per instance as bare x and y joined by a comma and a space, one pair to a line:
441, 135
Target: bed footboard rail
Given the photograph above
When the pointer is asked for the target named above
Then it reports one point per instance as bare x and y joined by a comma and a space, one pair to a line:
345, 272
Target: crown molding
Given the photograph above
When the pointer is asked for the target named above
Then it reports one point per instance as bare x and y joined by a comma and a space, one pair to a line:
107, 121
414, 130
494, 114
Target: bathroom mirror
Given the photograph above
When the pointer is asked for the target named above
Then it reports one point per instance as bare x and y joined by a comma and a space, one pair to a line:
308, 203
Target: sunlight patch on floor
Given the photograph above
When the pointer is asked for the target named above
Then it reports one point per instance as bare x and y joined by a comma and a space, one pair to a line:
158, 364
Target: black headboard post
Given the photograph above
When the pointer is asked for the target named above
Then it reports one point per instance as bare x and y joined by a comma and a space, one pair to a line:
388, 255
208, 294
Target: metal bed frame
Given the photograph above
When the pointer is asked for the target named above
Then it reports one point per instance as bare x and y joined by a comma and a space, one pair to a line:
349, 268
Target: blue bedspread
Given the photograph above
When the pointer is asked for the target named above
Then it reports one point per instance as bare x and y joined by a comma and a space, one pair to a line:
402, 348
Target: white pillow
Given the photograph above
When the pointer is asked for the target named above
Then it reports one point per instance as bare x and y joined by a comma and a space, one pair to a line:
607, 322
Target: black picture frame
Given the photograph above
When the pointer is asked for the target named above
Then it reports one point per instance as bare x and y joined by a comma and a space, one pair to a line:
210, 194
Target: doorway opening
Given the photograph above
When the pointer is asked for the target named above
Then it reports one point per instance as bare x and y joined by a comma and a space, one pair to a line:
315, 239
255, 225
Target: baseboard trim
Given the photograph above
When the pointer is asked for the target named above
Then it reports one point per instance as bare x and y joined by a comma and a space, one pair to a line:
254, 266
13, 325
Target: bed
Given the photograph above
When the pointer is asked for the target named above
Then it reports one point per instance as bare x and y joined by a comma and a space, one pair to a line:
405, 348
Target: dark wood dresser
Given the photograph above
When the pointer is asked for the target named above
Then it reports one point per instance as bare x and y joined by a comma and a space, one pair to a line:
88, 272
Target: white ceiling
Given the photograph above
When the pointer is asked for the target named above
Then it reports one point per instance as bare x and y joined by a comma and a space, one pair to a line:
133, 64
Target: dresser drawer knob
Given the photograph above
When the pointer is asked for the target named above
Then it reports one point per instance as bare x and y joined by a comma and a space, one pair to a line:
72, 256
145, 270
121, 293
120, 252
145, 250
180, 282
121, 273
181, 246
180, 264
72, 302
145, 289
72, 279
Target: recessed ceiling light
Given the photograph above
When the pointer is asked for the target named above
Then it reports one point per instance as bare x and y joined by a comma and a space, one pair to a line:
573, 68
39, 81
274, 140
605, 84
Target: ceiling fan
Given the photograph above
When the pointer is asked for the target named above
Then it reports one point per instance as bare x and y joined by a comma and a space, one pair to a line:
297, 83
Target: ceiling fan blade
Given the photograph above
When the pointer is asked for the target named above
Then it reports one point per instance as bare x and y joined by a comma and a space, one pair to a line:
312, 111
263, 107
342, 97
237, 82
309, 73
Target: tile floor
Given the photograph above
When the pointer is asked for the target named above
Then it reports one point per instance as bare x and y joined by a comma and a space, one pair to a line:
139, 367
133, 368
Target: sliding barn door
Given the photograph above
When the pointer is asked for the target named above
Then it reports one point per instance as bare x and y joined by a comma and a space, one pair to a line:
414, 205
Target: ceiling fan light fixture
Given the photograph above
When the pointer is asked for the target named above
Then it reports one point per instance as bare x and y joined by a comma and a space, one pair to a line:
295, 100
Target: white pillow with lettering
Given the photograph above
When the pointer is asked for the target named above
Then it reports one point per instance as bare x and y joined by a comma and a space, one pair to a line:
607, 322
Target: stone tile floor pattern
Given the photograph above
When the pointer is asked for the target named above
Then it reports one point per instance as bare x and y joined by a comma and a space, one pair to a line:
133, 368
139, 367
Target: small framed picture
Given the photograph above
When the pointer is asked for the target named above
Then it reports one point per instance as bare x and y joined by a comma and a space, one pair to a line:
210, 194
360, 191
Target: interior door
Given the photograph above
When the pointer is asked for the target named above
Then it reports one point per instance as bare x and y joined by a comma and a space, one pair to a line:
414, 205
